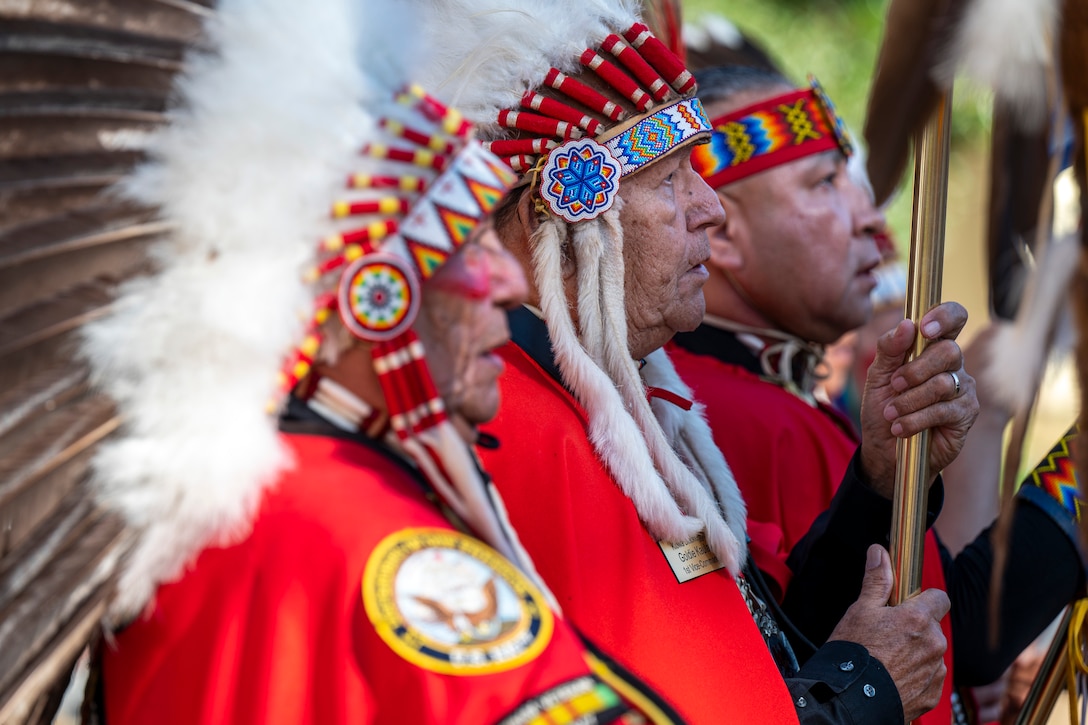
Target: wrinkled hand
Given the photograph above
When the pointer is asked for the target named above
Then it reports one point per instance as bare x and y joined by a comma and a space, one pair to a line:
906, 638
902, 399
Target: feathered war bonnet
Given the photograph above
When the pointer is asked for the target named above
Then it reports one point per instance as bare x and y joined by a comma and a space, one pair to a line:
577, 97
309, 200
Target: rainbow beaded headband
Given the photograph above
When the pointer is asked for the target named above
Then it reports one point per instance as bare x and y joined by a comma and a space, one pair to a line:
770, 133
581, 141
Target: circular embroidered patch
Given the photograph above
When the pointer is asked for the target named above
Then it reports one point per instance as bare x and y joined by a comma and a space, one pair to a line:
580, 180
378, 297
451, 604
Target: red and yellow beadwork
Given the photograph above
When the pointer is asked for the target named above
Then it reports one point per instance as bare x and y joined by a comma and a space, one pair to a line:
770, 133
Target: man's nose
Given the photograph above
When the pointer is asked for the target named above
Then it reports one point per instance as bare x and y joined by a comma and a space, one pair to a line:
867, 218
509, 288
869, 221
706, 209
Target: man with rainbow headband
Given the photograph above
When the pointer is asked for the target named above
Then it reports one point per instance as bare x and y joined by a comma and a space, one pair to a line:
325, 548
608, 470
791, 270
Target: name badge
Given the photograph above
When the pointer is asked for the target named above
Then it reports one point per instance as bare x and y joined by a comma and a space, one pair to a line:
690, 559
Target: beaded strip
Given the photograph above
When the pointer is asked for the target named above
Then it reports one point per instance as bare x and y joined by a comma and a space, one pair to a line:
1057, 476
769, 133
658, 134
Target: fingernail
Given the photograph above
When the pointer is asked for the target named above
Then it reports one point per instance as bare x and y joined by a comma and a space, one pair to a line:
899, 384
931, 329
897, 429
872, 559
890, 413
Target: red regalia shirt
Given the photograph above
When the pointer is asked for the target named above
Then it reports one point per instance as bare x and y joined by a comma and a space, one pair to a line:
352, 600
695, 643
788, 458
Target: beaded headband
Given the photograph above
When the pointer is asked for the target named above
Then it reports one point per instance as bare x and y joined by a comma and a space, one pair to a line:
581, 141
407, 237
770, 133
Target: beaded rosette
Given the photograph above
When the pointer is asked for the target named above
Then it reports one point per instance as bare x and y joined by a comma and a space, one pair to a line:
581, 138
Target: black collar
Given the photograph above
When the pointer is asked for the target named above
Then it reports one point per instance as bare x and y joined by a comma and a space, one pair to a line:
298, 418
721, 345
529, 332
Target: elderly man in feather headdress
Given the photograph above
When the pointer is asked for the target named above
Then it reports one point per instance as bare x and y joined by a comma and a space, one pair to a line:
607, 468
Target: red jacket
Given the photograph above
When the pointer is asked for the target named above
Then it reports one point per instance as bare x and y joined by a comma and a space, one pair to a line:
695, 642
352, 600
788, 458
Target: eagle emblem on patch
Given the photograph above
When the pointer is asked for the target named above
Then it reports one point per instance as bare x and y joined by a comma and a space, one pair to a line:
451, 604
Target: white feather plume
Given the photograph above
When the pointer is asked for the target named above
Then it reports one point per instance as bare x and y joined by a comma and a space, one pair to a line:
268, 125
489, 52
1007, 45
712, 28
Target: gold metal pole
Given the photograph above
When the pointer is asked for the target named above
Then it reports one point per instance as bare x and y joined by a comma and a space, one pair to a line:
923, 292
1048, 684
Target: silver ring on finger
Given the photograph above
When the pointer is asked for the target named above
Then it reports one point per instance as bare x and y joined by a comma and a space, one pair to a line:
956, 382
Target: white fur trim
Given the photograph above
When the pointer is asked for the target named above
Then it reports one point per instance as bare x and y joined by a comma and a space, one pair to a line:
651, 466
693, 441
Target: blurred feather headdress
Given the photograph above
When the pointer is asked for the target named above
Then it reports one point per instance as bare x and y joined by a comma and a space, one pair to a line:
303, 202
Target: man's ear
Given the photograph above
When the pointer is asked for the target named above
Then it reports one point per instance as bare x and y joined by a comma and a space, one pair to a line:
725, 252
515, 225
527, 210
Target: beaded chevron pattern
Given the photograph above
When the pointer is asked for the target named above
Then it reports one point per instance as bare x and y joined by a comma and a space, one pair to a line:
399, 229
658, 134
769, 133
1057, 476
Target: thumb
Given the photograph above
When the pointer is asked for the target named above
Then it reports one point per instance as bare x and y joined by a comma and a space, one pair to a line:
891, 348
876, 587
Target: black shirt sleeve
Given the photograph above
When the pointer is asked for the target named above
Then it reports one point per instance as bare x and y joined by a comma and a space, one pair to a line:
828, 563
843, 683
839, 683
1044, 573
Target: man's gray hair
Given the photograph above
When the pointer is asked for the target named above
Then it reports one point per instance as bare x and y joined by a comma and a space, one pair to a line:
721, 83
